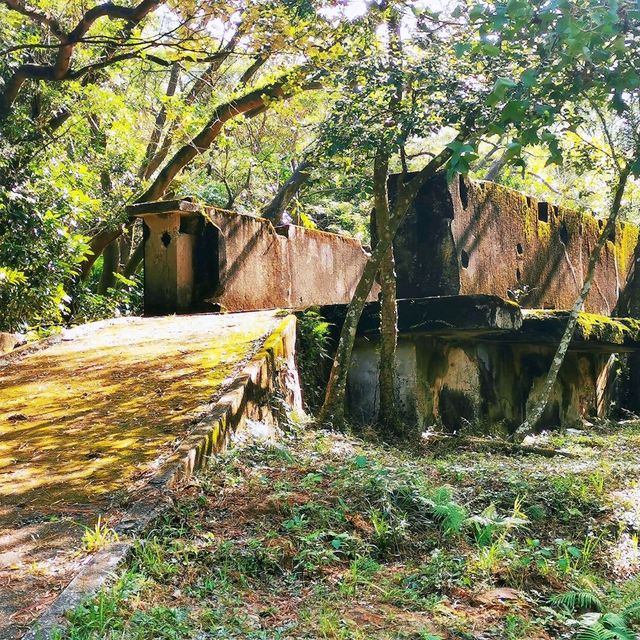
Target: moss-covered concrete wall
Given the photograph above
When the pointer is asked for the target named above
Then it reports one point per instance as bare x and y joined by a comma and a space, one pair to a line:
472, 237
486, 385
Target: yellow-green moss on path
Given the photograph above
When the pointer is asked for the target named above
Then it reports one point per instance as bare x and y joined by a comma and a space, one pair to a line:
89, 416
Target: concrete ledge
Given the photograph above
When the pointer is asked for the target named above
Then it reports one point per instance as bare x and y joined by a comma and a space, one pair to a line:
593, 331
270, 369
459, 316
186, 205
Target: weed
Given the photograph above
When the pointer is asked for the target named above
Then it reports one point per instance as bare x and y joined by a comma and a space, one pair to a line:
98, 537
329, 536
313, 340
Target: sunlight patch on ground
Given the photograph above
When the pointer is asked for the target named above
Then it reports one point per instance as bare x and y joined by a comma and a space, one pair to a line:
85, 417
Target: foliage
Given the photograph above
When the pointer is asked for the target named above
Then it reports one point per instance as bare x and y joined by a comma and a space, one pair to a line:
76, 146
313, 344
313, 536
577, 599
38, 255
122, 300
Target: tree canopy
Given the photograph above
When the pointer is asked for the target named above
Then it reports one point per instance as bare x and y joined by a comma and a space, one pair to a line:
275, 107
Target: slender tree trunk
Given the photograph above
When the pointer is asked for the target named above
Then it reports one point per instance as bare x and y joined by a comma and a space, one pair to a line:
387, 416
161, 119
332, 410
134, 260
497, 167
536, 412
110, 265
276, 208
97, 245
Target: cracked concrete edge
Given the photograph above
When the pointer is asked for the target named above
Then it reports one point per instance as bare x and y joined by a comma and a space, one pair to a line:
250, 392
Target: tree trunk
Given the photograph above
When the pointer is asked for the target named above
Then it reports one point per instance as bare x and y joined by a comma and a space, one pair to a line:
110, 265
161, 119
276, 208
134, 260
332, 410
536, 412
387, 417
97, 245
497, 167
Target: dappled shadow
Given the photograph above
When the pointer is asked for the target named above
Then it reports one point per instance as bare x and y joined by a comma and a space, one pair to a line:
83, 425
84, 419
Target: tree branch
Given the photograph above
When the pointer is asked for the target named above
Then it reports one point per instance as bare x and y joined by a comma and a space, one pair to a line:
61, 68
34, 15
249, 105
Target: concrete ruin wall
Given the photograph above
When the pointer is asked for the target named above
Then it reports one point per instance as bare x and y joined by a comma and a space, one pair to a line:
254, 265
475, 383
215, 259
479, 237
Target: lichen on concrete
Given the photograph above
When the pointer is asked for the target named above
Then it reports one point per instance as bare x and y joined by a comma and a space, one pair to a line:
591, 327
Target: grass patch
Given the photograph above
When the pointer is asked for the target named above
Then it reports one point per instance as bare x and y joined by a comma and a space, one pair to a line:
329, 536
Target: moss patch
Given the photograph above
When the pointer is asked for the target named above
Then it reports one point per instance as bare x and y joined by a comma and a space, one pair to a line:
87, 417
591, 326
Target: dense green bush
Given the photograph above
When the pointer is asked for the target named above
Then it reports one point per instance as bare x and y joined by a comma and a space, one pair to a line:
39, 257
313, 341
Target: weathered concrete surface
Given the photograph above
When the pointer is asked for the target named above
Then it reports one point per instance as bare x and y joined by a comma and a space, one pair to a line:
219, 259
486, 386
99, 423
469, 316
593, 332
481, 361
474, 237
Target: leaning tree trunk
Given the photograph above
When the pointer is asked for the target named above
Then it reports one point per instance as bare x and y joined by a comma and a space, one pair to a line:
274, 211
536, 412
136, 257
332, 410
110, 266
387, 416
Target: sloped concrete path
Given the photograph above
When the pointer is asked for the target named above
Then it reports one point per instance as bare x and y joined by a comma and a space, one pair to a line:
85, 423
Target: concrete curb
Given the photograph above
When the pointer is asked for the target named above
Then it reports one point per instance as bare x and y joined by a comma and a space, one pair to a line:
269, 370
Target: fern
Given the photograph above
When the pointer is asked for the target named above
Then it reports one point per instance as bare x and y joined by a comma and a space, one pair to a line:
577, 599
611, 626
608, 626
450, 515
595, 632
631, 611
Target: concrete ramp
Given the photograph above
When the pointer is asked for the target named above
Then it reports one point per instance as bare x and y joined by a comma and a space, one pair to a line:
95, 425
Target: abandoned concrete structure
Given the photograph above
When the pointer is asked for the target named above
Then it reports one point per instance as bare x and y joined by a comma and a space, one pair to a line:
468, 357
466, 353
206, 259
472, 237
480, 360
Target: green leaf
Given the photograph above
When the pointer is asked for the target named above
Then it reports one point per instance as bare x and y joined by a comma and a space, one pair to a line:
477, 11
499, 90
461, 48
361, 462
528, 77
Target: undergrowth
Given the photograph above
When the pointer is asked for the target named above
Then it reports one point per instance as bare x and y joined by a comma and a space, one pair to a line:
327, 536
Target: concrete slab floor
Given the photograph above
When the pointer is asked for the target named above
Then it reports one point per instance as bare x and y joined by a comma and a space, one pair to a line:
83, 425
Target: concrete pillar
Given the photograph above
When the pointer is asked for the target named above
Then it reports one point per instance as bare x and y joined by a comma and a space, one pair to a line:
169, 243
